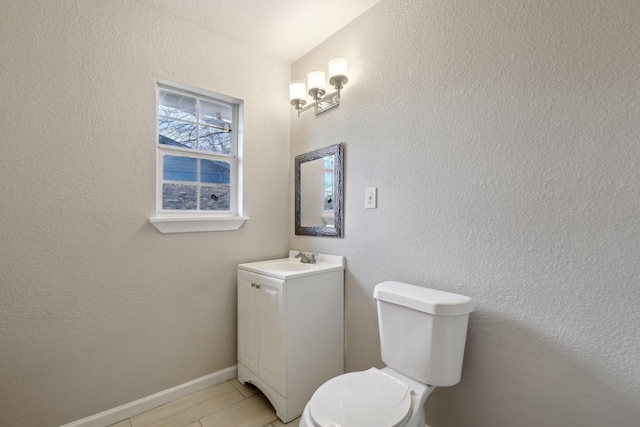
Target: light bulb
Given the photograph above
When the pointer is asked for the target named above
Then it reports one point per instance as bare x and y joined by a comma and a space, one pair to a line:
338, 67
297, 90
316, 79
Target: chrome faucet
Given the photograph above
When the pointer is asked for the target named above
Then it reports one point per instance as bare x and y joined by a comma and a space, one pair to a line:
306, 258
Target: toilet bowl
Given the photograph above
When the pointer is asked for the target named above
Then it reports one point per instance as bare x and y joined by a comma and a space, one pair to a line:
422, 338
371, 398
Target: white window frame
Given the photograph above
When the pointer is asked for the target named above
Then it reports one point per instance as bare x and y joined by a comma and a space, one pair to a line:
180, 221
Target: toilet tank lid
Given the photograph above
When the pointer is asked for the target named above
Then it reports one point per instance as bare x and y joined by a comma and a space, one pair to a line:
432, 301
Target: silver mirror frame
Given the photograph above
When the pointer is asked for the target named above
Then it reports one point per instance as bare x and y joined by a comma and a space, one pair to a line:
336, 231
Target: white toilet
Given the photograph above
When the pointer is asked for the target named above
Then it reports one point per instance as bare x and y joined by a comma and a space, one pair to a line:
422, 337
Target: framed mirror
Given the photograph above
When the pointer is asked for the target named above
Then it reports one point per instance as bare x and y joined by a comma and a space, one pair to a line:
318, 181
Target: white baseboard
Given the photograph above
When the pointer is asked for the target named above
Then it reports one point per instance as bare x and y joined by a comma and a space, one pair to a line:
128, 410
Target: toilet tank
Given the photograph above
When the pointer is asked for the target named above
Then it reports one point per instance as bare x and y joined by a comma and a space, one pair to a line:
422, 331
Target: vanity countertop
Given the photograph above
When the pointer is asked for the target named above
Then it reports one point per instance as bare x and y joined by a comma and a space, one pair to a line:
288, 268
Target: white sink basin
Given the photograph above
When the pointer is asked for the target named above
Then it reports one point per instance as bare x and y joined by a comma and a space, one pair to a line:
291, 266
285, 268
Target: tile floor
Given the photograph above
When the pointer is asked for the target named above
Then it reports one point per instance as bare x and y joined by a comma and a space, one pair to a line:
229, 404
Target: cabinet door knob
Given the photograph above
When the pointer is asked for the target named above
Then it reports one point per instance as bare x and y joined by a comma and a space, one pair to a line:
258, 286
253, 285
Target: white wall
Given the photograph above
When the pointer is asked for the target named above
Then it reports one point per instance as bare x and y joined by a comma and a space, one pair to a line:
504, 139
97, 308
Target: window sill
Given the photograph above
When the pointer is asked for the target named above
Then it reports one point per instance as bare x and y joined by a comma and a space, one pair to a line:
193, 224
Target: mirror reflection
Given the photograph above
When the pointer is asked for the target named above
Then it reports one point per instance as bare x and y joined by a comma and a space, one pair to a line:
319, 192
316, 179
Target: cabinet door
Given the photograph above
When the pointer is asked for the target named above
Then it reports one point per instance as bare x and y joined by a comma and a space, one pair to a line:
248, 320
271, 339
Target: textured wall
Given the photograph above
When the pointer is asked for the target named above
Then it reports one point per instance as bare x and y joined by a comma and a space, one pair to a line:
504, 139
97, 308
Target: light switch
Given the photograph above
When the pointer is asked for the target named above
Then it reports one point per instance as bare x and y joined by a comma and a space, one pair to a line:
371, 198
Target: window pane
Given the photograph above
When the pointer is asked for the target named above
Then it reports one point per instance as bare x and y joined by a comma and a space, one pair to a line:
215, 114
215, 140
328, 189
328, 162
215, 197
179, 196
177, 106
215, 171
328, 201
328, 181
178, 168
176, 133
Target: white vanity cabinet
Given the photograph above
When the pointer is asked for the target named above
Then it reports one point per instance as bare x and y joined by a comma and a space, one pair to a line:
261, 329
290, 328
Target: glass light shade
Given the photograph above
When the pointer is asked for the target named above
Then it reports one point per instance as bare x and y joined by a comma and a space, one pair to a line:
297, 90
316, 79
338, 67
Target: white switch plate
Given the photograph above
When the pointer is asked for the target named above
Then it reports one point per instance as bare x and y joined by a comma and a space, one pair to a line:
371, 198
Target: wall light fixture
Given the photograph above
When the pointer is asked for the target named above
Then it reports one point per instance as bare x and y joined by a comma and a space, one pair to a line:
316, 80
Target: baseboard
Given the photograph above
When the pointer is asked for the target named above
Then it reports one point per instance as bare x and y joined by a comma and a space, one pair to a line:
128, 410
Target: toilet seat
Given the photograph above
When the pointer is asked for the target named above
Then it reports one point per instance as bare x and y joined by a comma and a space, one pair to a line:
368, 398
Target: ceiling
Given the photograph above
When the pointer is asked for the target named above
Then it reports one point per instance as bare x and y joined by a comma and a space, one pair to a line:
283, 29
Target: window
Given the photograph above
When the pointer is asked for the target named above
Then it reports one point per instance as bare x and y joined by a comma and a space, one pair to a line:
328, 184
198, 160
